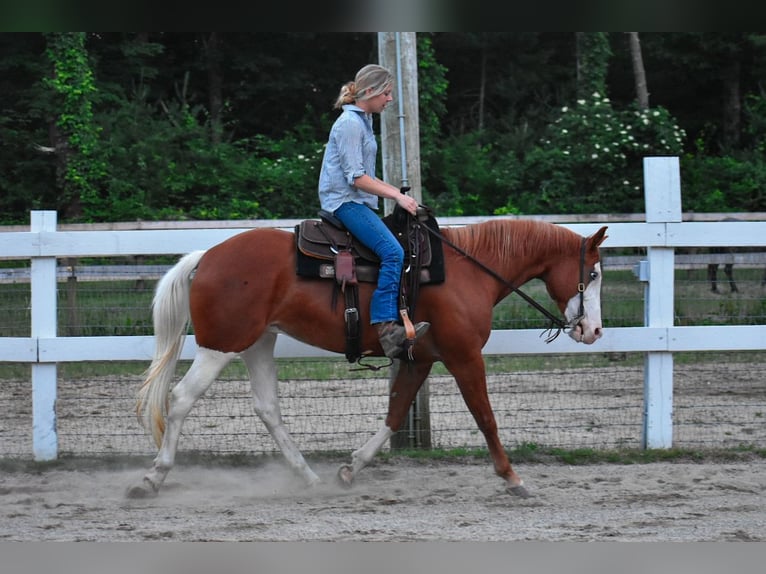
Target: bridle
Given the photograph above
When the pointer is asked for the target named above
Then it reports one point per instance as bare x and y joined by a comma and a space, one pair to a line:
557, 325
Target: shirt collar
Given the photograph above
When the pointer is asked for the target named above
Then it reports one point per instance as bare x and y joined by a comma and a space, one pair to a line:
353, 108
357, 109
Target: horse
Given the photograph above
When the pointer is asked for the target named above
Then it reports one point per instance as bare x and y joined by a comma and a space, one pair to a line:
241, 293
728, 268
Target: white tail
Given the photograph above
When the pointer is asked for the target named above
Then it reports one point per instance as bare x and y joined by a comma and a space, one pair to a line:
170, 314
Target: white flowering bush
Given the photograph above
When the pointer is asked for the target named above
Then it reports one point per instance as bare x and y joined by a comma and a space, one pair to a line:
590, 158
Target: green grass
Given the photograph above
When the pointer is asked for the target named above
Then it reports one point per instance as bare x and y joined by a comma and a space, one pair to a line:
532, 453
335, 369
524, 454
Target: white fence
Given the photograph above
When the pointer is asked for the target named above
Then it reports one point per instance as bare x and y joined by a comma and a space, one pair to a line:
662, 231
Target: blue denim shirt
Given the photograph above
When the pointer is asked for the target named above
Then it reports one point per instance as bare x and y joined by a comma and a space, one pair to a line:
350, 153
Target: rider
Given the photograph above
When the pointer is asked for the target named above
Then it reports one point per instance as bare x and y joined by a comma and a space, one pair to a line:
349, 189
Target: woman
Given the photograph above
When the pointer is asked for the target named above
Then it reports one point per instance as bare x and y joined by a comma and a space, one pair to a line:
349, 189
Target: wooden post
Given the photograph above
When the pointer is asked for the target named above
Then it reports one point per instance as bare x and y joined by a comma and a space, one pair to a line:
44, 374
400, 142
73, 330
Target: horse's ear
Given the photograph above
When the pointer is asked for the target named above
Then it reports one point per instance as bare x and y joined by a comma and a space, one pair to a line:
597, 238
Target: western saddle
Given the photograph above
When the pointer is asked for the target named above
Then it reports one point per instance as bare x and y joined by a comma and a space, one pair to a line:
327, 250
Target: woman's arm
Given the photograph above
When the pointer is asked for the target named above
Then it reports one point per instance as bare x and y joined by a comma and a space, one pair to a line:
380, 188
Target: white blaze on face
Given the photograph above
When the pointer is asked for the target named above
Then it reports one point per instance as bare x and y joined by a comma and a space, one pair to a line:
589, 328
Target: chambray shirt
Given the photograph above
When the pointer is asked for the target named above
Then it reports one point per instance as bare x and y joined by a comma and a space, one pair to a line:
350, 153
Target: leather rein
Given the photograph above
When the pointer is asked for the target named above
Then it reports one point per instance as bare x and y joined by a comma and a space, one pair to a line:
555, 322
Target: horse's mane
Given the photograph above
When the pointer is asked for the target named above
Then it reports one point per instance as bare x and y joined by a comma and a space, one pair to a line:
512, 237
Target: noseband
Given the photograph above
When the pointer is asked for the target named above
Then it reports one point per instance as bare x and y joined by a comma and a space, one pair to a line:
556, 324
581, 290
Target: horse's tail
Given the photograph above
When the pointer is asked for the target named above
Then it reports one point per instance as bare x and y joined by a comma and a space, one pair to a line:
170, 313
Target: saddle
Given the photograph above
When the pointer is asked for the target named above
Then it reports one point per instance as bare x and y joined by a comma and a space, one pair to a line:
325, 249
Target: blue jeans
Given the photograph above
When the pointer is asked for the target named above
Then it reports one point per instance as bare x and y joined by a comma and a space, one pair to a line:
367, 227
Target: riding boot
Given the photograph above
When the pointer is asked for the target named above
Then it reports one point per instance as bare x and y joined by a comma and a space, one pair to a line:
393, 336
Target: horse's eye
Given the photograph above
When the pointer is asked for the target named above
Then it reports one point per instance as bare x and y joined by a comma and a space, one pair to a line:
593, 275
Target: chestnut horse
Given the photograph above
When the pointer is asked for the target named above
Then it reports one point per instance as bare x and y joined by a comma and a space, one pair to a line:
240, 294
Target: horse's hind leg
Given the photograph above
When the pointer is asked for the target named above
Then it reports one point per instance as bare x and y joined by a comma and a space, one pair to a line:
205, 368
263, 381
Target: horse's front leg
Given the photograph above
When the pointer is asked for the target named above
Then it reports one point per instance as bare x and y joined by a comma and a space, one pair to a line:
712, 275
728, 269
470, 375
263, 382
407, 378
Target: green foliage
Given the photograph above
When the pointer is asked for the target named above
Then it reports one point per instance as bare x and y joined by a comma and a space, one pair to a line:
594, 54
473, 177
116, 126
176, 173
734, 182
755, 122
720, 184
432, 95
286, 174
72, 81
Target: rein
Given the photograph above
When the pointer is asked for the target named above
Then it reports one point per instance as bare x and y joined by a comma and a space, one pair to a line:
555, 322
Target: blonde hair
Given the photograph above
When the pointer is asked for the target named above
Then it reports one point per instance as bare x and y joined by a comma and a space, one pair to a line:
372, 77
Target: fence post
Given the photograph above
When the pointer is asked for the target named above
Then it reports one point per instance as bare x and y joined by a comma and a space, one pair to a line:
43, 287
662, 193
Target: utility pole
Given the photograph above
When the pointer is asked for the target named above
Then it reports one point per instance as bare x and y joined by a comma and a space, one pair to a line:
400, 128
400, 142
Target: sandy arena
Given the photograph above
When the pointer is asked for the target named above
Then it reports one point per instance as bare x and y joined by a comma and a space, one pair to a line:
393, 500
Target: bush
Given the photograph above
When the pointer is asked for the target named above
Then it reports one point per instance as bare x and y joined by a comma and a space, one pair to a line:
590, 159
713, 184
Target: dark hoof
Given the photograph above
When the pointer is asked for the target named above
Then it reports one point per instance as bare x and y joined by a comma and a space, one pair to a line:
346, 476
145, 490
518, 490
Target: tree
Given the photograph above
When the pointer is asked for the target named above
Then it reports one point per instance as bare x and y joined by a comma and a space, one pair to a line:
642, 91
213, 56
590, 157
74, 134
593, 53
232, 125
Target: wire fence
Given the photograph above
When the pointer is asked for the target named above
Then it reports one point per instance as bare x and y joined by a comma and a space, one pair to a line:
557, 401
116, 299
720, 401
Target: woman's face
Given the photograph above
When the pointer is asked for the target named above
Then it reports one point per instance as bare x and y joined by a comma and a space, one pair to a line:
376, 104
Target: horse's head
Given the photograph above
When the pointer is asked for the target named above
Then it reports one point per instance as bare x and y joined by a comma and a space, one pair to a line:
575, 285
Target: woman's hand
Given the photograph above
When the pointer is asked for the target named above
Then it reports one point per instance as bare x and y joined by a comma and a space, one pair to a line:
409, 204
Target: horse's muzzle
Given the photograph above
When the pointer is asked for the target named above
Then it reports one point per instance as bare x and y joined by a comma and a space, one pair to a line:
582, 332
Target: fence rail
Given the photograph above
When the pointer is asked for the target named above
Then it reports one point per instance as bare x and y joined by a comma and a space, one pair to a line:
89, 273
663, 231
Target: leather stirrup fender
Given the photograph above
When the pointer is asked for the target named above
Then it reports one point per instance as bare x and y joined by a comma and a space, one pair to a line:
409, 328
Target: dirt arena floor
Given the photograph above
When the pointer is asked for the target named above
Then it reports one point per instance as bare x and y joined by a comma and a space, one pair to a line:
397, 499
82, 498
